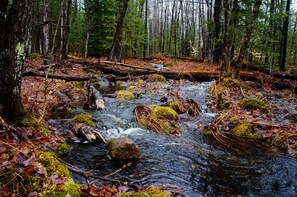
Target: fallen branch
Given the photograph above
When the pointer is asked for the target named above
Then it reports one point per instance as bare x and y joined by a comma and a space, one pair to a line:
57, 76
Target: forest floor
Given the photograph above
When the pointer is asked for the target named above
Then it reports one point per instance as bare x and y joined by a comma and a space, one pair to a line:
252, 109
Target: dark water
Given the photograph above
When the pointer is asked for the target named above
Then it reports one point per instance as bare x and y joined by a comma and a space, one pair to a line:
194, 162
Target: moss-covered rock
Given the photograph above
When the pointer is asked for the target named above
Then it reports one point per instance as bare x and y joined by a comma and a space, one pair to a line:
253, 104
162, 120
164, 112
124, 95
122, 149
156, 78
84, 118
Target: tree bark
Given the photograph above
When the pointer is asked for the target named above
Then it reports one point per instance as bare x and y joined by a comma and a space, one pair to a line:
217, 51
66, 11
145, 30
15, 23
115, 49
283, 52
45, 28
246, 38
87, 17
224, 59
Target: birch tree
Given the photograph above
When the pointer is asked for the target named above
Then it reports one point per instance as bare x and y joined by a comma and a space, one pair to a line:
15, 23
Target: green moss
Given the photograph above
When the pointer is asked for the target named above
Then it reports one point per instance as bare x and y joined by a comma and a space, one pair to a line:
32, 123
53, 165
62, 148
253, 104
150, 192
35, 56
84, 118
140, 82
131, 87
164, 112
124, 95
206, 131
242, 130
231, 81
156, 78
69, 187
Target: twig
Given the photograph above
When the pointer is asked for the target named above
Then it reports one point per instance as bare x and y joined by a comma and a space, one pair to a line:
119, 170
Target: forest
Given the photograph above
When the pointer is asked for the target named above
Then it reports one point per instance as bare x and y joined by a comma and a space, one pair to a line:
148, 98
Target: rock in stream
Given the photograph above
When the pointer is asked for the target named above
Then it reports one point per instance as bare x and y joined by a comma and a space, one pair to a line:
122, 149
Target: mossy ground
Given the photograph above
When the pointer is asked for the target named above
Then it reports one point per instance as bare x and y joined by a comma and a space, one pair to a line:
32, 123
41, 177
253, 104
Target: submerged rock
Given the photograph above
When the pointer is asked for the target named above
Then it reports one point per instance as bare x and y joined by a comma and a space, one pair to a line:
122, 149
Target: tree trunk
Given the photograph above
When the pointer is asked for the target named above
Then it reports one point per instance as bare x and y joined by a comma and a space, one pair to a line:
217, 51
293, 48
246, 38
45, 28
55, 34
171, 28
66, 10
87, 17
234, 20
224, 60
145, 30
115, 49
283, 52
15, 23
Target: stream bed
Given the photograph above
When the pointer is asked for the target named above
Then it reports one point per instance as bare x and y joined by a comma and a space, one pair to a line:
194, 162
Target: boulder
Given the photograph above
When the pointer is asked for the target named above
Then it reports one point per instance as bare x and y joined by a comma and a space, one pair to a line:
122, 149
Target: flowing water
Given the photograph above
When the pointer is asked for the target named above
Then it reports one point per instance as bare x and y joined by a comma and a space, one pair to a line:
194, 162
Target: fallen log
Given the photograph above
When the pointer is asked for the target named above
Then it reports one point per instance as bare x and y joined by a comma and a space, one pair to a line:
197, 76
261, 78
56, 76
276, 74
128, 65
99, 101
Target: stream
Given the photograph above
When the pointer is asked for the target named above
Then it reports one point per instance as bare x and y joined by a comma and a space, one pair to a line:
193, 162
